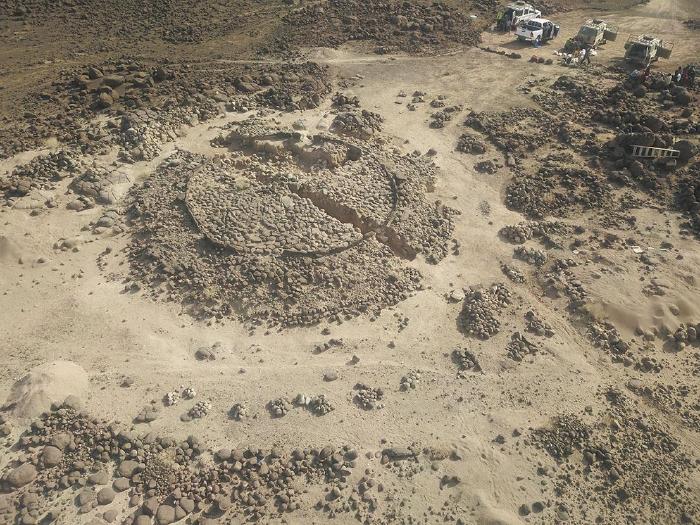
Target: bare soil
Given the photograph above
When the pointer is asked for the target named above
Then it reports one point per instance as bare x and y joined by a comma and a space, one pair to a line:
261, 262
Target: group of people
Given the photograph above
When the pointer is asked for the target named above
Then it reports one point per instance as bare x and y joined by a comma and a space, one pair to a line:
578, 57
684, 76
504, 22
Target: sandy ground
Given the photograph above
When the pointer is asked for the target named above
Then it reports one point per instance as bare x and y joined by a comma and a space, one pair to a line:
64, 306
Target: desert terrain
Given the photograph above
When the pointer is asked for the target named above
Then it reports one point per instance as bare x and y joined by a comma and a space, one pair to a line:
345, 262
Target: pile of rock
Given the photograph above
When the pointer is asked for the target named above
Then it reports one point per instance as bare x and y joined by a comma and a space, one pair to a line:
468, 143
165, 479
172, 398
440, 118
359, 124
189, 393
687, 199
147, 414
536, 325
520, 346
97, 185
524, 231
41, 173
482, 306
604, 335
465, 360
110, 88
343, 101
512, 273
511, 131
407, 26
279, 407
239, 411
559, 187
410, 381
560, 279
686, 334
198, 411
368, 398
530, 255
318, 405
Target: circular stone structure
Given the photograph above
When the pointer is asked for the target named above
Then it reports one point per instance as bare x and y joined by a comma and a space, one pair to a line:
286, 229
290, 212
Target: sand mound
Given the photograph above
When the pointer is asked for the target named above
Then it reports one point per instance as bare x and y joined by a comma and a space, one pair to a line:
46, 384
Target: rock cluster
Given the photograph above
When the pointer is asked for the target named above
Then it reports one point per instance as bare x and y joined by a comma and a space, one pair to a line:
189, 393
469, 143
368, 398
279, 407
164, 478
147, 414
409, 381
199, 410
561, 280
524, 231
536, 325
622, 458
359, 124
41, 173
530, 255
511, 131
512, 273
406, 26
466, 361
687, 198
559, 187
98, 185
171, 398
686, 334
239, 411
520, 346
439, 119
481, 308
318, 405
606, 336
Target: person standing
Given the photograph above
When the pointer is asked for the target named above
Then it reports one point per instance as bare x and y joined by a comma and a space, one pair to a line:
678, 75
585, 56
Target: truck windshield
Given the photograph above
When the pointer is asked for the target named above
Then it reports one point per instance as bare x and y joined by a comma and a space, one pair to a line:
638, 50
588, 33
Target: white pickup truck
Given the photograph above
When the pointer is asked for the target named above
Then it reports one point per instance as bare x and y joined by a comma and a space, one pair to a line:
516, 13
537, 30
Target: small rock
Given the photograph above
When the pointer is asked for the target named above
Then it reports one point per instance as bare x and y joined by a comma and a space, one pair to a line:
105, 496
22, 475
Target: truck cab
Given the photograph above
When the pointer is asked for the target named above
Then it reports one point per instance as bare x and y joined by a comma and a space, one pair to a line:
517, 13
